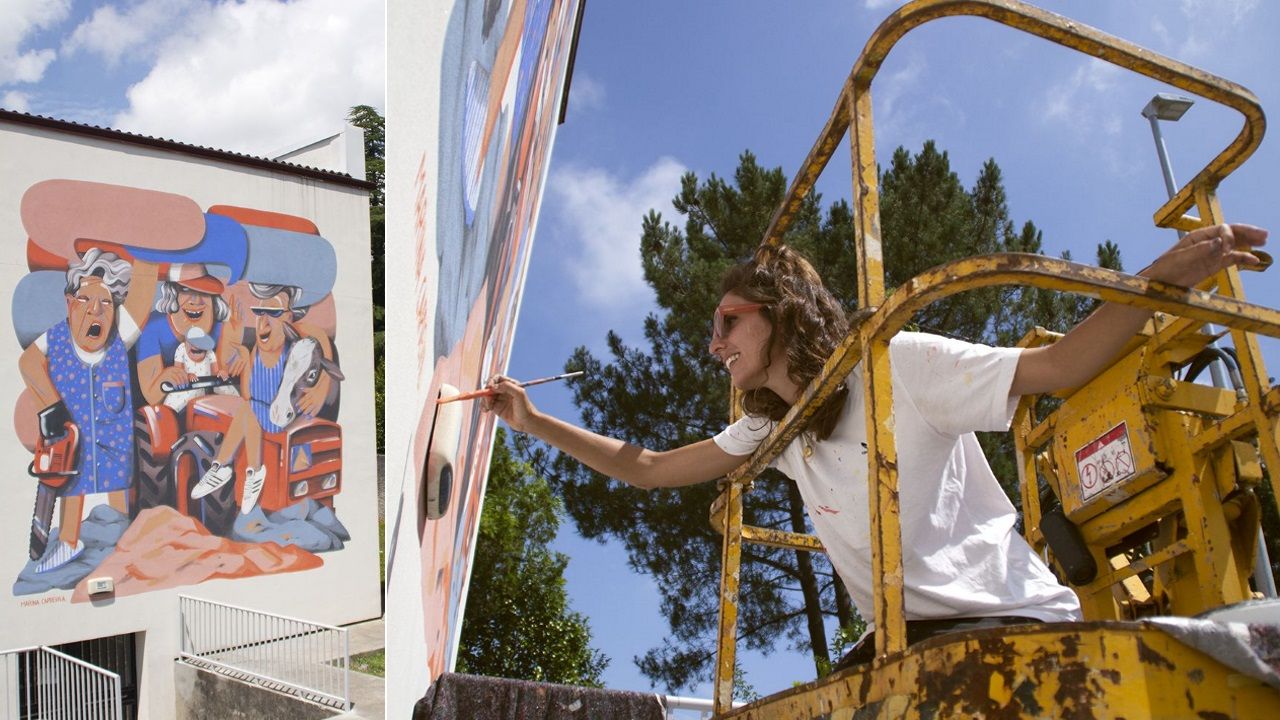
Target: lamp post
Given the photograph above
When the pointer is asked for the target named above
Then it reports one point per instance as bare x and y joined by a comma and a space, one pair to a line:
1166, 106
1170, 107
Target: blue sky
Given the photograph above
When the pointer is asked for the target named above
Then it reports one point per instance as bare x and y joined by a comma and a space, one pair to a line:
662, 87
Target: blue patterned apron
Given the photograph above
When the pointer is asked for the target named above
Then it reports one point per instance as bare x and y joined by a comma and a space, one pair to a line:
100, 400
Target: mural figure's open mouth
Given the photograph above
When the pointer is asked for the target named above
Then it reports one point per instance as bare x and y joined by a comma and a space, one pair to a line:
95, 330
193, 315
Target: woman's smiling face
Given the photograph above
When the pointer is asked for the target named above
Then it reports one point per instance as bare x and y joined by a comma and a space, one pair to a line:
269, 318
742, 343
195, 309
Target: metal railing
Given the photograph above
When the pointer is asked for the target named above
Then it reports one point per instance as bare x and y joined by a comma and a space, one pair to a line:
302, 658
40, 683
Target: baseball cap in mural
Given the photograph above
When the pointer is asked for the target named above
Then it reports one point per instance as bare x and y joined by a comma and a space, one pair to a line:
199, 339
195, 276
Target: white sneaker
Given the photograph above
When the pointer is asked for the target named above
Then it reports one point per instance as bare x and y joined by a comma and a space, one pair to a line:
215, 477
254, 479
60, 556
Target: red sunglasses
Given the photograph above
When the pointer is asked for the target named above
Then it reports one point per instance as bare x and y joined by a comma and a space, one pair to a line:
722, 320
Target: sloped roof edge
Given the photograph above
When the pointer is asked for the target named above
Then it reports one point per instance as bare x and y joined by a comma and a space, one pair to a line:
76, 128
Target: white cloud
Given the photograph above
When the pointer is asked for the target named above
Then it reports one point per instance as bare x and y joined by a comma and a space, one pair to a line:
907, 109
257, 75
1084, 110
112, 33
889, 90
1207, 27
1161, 31
16, 100
21, 19
1226, 12
877, 4
585, 93
1091, 81
603, 214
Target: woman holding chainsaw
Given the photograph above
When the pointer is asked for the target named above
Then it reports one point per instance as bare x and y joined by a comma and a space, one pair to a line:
79, 372
964, 565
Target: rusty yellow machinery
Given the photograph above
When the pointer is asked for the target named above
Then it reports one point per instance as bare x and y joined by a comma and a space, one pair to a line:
1155, 473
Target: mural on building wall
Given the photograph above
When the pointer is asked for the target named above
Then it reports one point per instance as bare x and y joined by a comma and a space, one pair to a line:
181, 390
502, 73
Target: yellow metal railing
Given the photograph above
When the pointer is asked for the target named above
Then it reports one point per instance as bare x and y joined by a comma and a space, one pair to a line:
881, 318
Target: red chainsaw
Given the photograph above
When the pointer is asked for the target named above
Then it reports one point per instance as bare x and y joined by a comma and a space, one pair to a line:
56, 461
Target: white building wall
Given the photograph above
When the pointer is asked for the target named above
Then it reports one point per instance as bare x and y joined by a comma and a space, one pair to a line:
415, 37
341, 152
346, 588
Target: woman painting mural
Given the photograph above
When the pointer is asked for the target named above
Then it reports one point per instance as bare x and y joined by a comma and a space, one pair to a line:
964, 564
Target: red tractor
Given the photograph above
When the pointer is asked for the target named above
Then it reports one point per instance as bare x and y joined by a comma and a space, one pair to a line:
303, 461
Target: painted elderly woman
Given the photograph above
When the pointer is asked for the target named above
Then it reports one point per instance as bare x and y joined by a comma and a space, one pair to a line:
79, 371
189, 309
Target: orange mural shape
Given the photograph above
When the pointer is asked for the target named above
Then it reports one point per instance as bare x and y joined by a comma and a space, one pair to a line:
39, 258
164, 549
265, 218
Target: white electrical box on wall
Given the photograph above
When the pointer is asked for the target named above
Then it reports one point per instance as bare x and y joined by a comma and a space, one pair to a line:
99, 586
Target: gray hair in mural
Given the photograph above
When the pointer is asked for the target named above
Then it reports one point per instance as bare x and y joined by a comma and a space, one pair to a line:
115, 273
266, 291
167, 301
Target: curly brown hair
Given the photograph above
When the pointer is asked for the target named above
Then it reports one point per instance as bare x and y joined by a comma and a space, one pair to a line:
806, 319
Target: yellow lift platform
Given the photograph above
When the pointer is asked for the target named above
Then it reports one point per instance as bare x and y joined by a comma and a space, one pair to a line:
1156, 473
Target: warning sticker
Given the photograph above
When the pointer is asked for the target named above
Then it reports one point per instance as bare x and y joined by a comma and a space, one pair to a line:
1105, 462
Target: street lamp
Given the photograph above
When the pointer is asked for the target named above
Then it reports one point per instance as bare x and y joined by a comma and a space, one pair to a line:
1170, 107
1166, 106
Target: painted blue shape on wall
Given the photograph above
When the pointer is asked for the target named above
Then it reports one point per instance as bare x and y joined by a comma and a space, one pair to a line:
38, 304
301, 459
225, 243
284, 257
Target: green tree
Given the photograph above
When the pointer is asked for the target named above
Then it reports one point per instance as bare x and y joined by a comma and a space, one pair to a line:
368, 118
673, 393
518, 623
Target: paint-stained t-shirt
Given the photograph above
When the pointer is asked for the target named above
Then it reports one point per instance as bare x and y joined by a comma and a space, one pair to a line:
962, 556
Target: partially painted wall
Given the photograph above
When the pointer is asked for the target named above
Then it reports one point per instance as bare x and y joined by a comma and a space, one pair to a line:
192, 400
479, 139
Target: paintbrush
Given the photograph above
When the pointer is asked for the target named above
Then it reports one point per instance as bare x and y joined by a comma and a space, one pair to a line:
489, 392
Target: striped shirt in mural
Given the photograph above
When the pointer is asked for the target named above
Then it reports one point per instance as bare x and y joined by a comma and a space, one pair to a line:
264, 383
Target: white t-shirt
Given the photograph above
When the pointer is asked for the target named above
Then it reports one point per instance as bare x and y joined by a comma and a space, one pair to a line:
178, 399
961, 554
